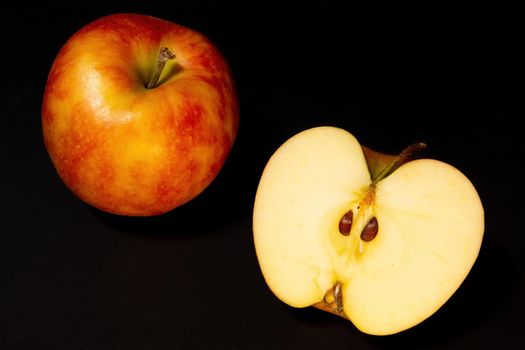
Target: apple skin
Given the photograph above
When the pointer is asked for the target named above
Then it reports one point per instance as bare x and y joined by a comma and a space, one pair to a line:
126, 149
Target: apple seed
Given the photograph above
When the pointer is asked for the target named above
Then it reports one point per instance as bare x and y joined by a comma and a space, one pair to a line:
370, 230
345, 224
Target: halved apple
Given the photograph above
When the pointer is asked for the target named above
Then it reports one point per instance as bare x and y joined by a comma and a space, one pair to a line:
377, 239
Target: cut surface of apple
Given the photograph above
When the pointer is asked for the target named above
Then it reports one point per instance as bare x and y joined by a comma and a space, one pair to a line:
412, 239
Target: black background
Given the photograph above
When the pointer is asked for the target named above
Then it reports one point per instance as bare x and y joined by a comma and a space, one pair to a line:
73, 277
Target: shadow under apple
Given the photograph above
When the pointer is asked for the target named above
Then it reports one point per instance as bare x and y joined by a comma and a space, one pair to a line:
228, 198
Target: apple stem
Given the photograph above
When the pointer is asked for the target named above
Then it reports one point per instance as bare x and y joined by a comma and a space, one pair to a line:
165, 55
405, 155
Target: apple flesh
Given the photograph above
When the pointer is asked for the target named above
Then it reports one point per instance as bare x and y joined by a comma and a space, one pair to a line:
428, 230
130, 139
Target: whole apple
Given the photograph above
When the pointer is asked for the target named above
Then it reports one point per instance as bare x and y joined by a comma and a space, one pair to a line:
139, 114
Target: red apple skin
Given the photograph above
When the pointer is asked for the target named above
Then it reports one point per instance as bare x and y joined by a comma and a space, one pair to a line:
126, 149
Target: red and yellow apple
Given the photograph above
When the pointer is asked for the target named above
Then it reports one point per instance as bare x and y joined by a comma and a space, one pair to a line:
380, 240
139, 114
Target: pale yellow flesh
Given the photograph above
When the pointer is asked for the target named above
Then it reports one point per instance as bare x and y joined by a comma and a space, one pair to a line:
304, 184
430, 231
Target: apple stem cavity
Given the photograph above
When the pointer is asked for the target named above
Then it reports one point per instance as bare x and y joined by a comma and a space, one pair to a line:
165, 55
406, 155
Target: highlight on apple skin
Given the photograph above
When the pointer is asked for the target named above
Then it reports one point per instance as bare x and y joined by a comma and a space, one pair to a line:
383, 241
139, 114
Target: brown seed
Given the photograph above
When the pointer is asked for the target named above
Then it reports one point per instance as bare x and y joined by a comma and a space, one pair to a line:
370, 230
345, 224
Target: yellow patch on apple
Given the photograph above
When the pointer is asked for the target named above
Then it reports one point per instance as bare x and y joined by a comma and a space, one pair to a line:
381, 240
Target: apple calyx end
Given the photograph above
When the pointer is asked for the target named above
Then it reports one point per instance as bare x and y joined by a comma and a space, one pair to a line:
333, 301
165, 55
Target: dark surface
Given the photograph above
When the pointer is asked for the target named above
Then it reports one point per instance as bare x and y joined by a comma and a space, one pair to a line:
73, 277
